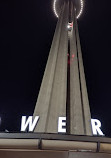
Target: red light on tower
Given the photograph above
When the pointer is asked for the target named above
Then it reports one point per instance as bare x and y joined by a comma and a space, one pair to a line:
73, 55
70, 26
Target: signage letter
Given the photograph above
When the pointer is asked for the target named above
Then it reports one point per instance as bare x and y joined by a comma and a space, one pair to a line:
96, 125
62, 125
29, 123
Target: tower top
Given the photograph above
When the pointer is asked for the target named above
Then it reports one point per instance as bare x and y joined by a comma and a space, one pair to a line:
79, 6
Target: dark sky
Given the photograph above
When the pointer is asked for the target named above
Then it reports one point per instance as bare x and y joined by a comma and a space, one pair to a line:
26, 32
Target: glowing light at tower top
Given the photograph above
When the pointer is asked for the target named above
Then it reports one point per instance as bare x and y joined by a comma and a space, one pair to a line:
81, 10
54, 8
79, 14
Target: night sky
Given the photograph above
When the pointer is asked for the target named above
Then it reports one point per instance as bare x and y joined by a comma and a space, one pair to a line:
26, 32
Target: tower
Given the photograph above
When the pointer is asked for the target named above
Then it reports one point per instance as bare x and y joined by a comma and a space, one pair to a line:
62, 94
63, 91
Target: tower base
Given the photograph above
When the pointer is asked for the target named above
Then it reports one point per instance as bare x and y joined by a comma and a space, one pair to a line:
38, 145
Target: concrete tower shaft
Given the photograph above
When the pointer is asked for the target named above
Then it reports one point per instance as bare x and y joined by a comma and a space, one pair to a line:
80, 121
63, 90
51, 101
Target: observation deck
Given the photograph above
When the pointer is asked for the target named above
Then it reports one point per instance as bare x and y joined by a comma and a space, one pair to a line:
79, 6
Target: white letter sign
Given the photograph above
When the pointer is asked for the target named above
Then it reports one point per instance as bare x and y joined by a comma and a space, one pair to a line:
62, 125
29, 123
96, 125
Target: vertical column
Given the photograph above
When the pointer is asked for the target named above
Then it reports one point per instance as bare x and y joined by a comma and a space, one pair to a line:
43, 101
80, 118
84, 94
58, 97
76, 113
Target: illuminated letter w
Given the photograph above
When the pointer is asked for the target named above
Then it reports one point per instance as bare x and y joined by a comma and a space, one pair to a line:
29, 123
